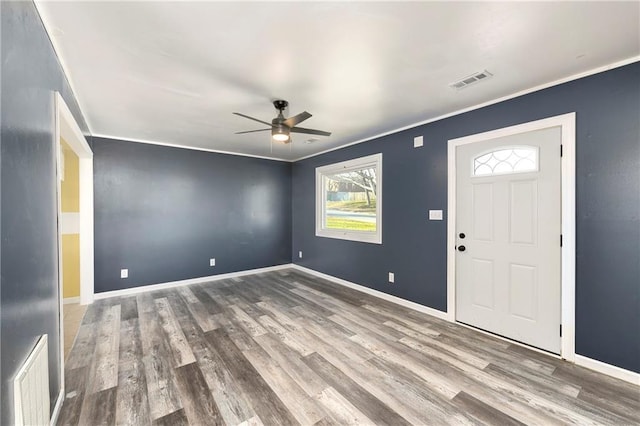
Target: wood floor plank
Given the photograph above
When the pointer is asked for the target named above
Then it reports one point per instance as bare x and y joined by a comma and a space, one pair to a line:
346, 295
357, 326
505, 387
199, 405
621, 409
236, 330
198, 310
130, 341
277, 314
341, 411
542, 383
107, 350
207, 300
75, 387
230, 399
128, 308
347, 347
157, 358
398, 388
99, 408
483, 412
262, 398
249, 324
302, 407
321, 320
180, 349
132, 405
253, 421
284, 347
402, 323
495, 355
449, 354
548, 391
370, 406
177, 418
83, 347
309, 381
418, 333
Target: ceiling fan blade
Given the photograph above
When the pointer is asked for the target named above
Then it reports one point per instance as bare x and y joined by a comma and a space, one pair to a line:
254, 119
296, 119
252, 131
310, 131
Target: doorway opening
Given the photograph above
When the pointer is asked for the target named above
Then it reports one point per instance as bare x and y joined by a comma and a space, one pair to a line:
74, 187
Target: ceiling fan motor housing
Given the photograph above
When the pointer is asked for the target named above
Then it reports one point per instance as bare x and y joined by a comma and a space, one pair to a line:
280, 104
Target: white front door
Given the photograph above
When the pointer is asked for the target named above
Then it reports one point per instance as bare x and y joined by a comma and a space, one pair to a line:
508, 226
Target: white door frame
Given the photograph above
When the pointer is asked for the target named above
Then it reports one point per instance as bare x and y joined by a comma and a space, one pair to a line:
568, 282
67, 128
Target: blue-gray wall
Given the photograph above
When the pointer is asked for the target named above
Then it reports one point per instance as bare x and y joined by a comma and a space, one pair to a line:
194, 205
415, 180
163, 212
29, 270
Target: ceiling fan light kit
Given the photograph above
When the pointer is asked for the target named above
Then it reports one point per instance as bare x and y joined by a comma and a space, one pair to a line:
280, 134
282, 127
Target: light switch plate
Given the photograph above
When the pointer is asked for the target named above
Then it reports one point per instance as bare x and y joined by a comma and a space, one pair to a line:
418, 141
435, 214
124, 273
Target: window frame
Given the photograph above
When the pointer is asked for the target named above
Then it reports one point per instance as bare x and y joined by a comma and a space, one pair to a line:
323, 172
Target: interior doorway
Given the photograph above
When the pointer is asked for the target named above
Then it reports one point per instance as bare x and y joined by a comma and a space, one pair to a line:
507, 272
74, 185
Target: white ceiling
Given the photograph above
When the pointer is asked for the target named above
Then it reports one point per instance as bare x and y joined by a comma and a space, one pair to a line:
173, 72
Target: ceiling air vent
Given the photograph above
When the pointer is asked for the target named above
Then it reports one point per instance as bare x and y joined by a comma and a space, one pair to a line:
469, 80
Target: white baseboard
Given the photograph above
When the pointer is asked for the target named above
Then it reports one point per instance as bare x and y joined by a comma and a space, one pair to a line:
68, 300
199, 280
608, 369
397, 300
57, 408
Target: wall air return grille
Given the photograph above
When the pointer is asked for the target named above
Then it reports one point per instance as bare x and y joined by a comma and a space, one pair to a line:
31, 387
469, 80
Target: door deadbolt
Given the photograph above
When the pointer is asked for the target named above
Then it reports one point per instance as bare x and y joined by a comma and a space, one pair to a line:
462, 235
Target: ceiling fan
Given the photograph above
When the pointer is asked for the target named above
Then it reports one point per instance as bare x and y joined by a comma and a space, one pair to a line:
282, 127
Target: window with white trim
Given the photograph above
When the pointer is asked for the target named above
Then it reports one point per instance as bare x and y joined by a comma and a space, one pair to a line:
349, 200
517, 159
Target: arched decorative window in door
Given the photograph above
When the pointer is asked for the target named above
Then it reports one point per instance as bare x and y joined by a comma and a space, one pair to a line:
518, 159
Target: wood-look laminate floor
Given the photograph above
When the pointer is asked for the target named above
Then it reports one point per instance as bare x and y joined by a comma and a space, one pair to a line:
286, 348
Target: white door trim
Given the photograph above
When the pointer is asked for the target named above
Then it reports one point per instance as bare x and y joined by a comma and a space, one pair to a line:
567, 123
67, 128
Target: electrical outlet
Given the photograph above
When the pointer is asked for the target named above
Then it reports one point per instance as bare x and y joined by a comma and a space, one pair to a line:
392, 277
435, 214
300, 254
124, 273
212, 262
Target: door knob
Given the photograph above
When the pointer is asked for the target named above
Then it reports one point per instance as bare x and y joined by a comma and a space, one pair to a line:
461, 248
